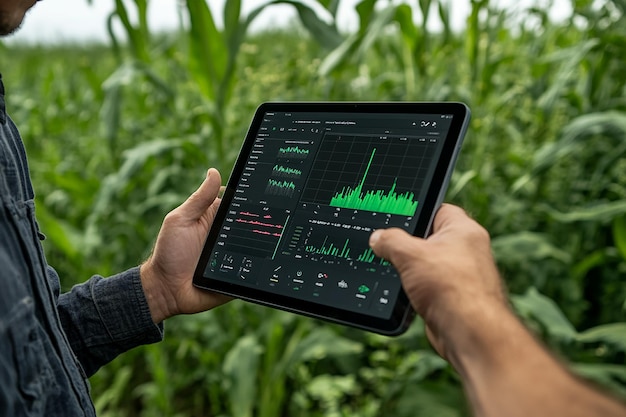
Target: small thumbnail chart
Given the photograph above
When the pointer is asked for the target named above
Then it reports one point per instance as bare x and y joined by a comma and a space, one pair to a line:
280, 188
280, 171
293, 152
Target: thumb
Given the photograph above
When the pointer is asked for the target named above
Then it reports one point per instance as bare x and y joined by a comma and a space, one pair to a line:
198, 202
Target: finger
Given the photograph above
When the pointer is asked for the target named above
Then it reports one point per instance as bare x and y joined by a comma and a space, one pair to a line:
393, 244
212, 210
448, 214
198, 203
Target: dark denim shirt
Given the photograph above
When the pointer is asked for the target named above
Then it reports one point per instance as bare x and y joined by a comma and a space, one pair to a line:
51, 342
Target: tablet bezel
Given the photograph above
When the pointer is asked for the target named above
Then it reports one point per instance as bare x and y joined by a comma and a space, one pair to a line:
402, 312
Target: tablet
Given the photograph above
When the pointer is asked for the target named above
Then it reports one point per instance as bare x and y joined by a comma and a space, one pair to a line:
311, 183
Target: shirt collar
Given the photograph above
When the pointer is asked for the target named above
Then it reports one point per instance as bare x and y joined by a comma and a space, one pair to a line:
3, 112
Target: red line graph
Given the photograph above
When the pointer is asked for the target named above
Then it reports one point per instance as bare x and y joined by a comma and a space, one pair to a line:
261, 232
247, 213
258, 223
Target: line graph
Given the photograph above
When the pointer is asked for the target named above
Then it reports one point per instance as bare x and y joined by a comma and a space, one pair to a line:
294, 152
286, 172
280, 188
252, 233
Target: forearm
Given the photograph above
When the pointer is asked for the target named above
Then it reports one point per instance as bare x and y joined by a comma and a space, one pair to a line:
506, 372
105, 317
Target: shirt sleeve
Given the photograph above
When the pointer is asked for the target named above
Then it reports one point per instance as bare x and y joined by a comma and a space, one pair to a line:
104, 317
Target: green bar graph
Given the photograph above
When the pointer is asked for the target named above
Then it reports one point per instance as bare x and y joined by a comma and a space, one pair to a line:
387, 202
368, 256
330, 249
343, 251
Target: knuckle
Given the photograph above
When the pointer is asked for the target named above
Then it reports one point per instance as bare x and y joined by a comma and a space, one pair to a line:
481, 233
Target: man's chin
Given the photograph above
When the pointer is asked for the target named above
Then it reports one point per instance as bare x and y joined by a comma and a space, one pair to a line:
11, 22
8, 30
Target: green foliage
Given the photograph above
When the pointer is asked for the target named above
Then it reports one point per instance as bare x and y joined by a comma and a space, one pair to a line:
589, 350
120, 134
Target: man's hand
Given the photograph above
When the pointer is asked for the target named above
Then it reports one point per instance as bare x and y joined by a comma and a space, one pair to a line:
447, 275
453, 283
167, 275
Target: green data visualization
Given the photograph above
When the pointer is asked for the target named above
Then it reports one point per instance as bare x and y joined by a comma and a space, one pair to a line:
286, 172
280, 188
381, 174
344, 251
295, 152
386, 201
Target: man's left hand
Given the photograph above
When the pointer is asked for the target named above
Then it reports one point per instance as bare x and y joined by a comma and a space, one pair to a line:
167, 275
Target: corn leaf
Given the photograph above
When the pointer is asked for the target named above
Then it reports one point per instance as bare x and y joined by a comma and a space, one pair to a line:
619, 234
571, 58
612, 334
208, 54
60, 233
607, 375
543, 310
404, 17
322, 343
609, 123
525, 246
603, 212
331, 5
324, 33
240, 368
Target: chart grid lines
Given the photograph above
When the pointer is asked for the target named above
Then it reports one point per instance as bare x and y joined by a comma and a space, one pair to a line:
342, 161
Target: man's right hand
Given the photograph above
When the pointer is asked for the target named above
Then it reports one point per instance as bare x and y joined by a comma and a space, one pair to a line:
453, 283
447, 276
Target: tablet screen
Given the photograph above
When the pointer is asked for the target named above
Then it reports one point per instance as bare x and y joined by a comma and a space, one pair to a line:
312, 182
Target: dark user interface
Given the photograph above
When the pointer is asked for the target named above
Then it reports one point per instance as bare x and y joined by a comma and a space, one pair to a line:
313, 188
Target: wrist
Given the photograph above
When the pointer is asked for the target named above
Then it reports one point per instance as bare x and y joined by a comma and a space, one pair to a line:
467, 330
488, 339
506, 370
158, 301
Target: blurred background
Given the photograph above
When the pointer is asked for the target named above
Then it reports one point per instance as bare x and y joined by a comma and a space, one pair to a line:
123, 105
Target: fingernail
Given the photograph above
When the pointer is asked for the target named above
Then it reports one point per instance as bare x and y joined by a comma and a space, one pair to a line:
374, 237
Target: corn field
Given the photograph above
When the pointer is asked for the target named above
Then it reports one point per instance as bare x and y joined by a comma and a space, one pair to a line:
120, 133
